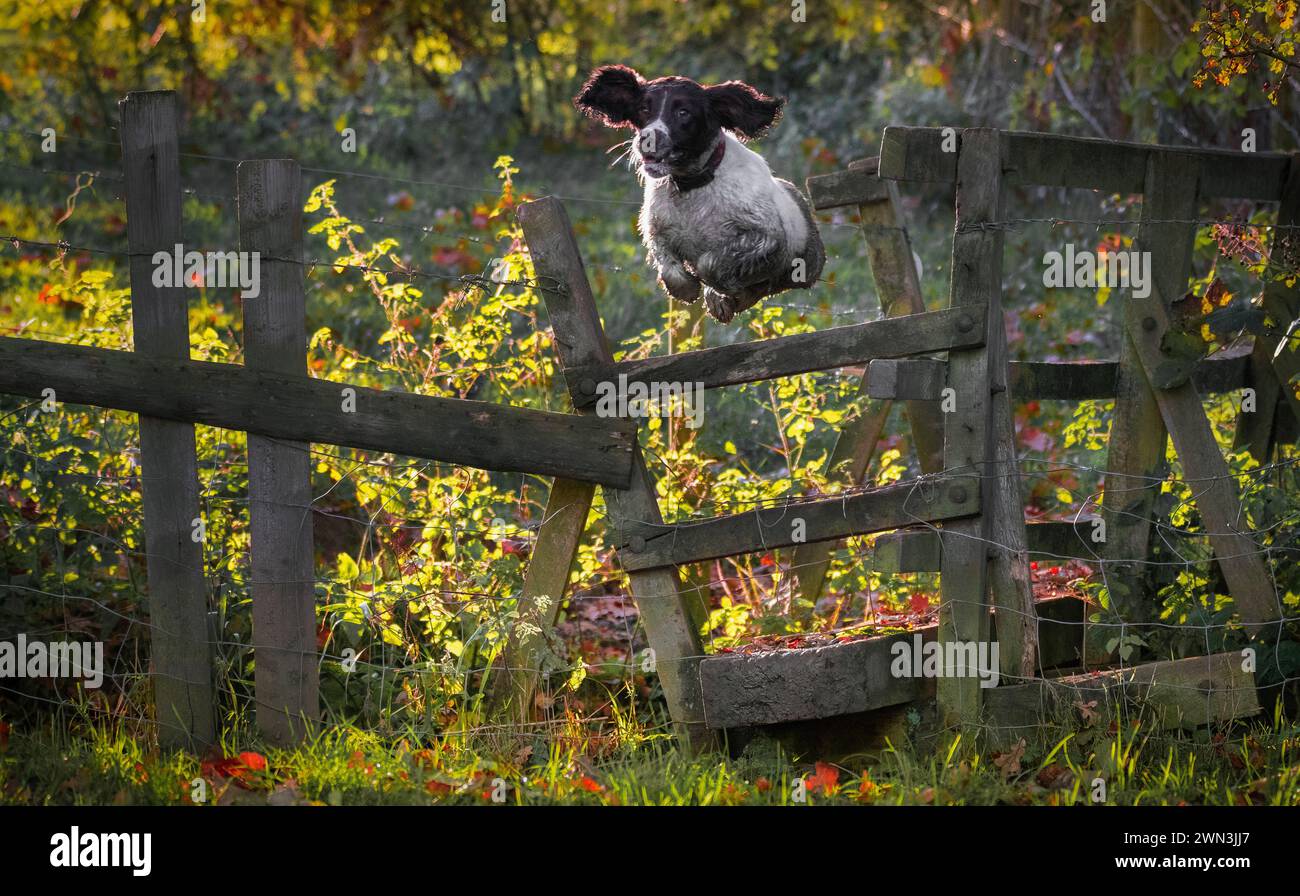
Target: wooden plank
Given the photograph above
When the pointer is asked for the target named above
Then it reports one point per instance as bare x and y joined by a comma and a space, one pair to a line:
1256, 430
748, 362
181, 649
1135, 467
283, 575
1226, 371
1172, 190
646, 546
979, 437
852, 186
1184, 693
893, 269
475, 434
920, 378
776, 686
810, 683
918, 549
580, 342
1051, 160
907, 550
545, 581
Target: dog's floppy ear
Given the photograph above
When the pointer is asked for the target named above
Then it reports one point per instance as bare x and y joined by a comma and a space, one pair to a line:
611, 94
743, 110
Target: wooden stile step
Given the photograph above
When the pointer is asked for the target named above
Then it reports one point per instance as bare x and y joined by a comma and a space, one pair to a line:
1182, 693
793, 685
929, 499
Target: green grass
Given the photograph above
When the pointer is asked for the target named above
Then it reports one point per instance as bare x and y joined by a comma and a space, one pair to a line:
76, 761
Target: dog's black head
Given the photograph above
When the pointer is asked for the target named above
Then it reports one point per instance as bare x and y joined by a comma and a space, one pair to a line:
678, 122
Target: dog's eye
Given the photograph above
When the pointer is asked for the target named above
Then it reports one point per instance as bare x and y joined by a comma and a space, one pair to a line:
684, 114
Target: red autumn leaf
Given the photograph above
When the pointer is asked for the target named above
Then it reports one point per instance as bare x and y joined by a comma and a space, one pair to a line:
242, 768
763, 785
589, 785
253, 762
920, 603
824, 778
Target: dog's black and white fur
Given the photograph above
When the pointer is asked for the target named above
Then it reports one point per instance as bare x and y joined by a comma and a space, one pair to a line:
713, 216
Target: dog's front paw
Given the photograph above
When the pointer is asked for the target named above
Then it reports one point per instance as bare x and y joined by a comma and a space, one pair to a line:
721, 308
680, 285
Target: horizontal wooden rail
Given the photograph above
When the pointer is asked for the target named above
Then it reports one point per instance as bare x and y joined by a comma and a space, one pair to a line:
1052, 160
943, 497
470, 433
748, 362
852, 186
919, 550
923, 379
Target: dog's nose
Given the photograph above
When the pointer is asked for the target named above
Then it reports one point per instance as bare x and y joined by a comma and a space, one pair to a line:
650, 143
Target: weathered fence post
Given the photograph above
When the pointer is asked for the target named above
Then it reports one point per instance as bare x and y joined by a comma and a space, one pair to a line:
287, 679
549, 566
181, 649
978, 437
580, 339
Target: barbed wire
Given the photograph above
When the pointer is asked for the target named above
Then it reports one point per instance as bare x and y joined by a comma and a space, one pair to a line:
786, 505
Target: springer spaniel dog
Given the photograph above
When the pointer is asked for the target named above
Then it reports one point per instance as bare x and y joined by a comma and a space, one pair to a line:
714, 219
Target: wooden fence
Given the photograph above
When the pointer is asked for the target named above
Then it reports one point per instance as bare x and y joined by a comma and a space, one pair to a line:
964, 517
283, 410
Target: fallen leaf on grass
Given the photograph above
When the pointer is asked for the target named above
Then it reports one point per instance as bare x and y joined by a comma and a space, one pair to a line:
589, 785
1054, 777
824, 778
243, 769
1088, 711
1009, 762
